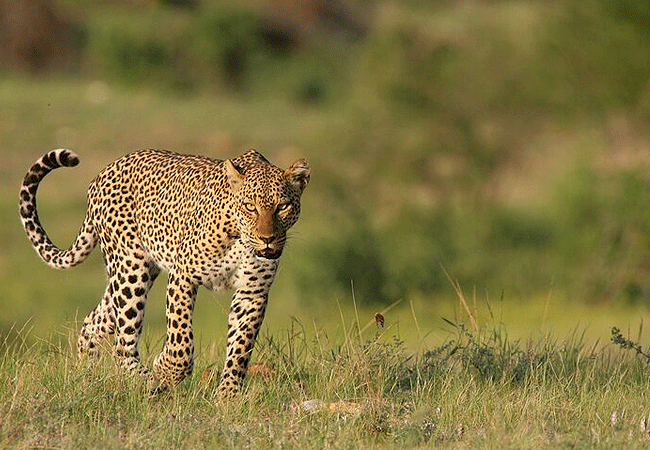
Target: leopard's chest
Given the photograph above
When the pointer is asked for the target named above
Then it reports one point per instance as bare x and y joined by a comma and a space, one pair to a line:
239, 268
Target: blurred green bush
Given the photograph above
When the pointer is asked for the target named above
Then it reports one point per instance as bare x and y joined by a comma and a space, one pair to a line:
574, 57
432, 104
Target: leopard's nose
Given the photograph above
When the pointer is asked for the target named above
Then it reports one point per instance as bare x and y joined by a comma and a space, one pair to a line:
267, 239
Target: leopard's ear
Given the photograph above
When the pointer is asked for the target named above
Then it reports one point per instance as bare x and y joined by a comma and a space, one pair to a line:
298, 175
235, 177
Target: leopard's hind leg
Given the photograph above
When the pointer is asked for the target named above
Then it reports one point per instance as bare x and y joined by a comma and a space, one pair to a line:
121, 311
131, 285
98, 325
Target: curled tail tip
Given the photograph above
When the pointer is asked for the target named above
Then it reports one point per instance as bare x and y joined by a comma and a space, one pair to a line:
61, 157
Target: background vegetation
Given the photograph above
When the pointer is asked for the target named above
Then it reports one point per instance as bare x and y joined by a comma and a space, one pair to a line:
480, 161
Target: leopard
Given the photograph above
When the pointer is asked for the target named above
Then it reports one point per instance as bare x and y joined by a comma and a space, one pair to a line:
220, 224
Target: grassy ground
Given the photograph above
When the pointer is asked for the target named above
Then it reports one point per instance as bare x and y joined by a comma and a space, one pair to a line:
478, 390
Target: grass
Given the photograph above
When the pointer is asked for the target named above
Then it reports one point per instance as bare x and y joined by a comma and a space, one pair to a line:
477, 390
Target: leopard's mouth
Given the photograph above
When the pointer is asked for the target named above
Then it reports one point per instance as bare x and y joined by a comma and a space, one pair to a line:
268, 253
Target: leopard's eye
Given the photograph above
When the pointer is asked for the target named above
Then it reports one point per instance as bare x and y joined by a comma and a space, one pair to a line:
283, 207
250, 207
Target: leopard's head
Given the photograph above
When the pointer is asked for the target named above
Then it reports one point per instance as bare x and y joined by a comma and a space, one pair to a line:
267, 200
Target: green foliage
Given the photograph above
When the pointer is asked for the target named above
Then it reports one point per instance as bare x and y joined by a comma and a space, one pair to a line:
132, 50
226, 38
596, 55
606, 233
457, 67
214, 44
189, 4
420, 244
349, 260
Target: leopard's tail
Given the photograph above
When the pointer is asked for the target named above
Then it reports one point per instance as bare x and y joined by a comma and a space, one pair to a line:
50, 253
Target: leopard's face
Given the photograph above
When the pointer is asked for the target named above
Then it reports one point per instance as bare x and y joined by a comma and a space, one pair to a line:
267, 203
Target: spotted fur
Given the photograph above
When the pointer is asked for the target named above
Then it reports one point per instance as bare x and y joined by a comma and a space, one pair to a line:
220, 224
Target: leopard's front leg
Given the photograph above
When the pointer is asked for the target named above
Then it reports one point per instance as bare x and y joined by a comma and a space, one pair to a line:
244, 321
176, 360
